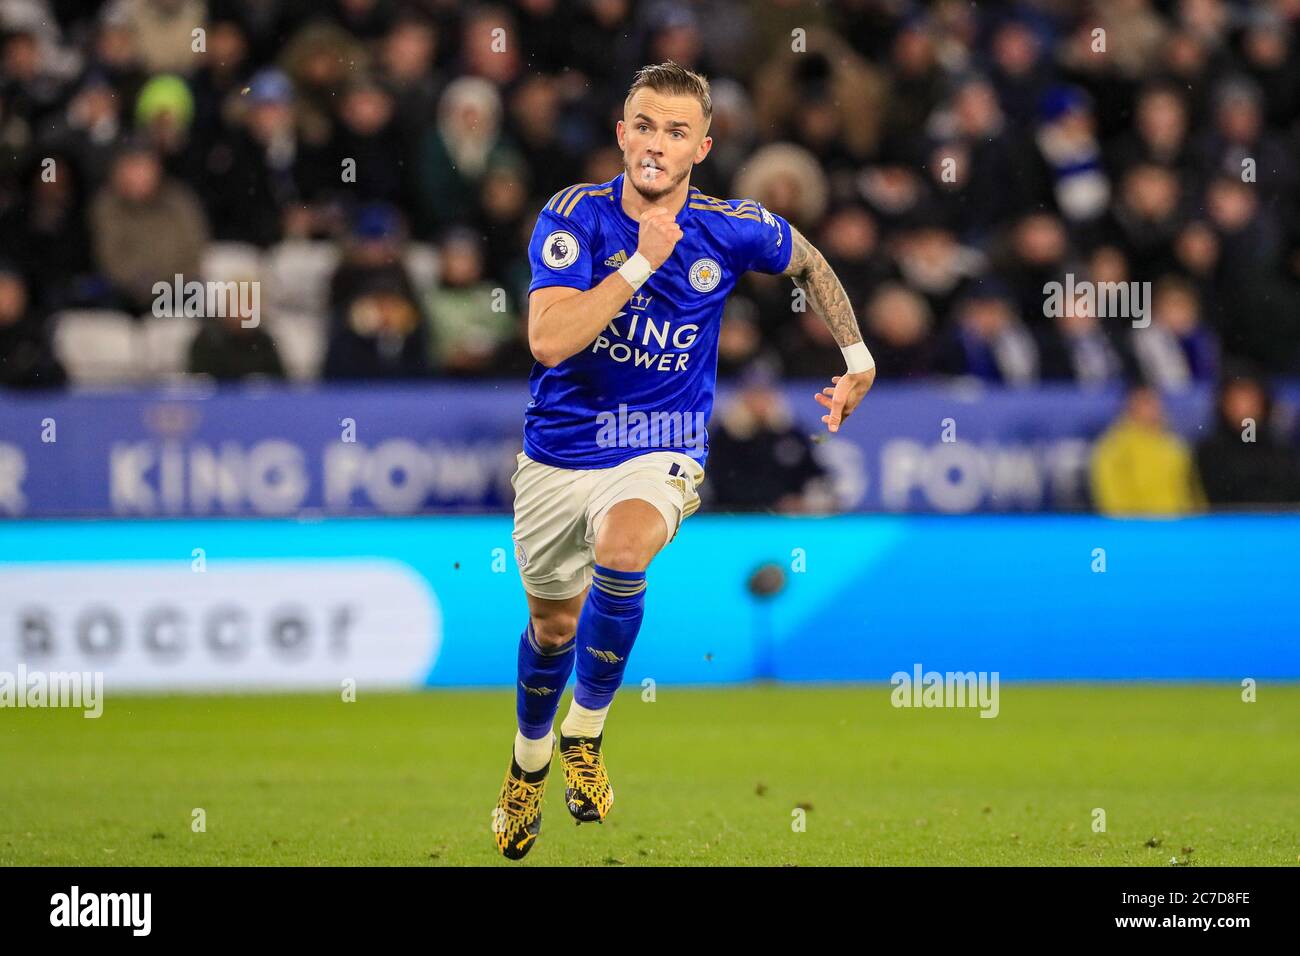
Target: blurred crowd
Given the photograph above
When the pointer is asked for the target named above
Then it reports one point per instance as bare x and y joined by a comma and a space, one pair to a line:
949, 158
1243, 459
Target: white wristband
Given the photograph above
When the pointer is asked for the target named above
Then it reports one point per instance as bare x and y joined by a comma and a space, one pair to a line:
636, 270
858, 357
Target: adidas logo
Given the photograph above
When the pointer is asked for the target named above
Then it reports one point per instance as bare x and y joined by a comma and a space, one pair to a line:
617, 259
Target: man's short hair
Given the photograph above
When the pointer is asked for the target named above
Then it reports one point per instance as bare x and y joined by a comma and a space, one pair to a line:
672, 79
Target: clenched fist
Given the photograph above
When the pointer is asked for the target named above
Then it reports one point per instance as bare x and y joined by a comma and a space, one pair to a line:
657, 235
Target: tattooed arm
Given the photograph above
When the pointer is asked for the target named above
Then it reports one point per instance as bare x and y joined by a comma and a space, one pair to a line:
813, 274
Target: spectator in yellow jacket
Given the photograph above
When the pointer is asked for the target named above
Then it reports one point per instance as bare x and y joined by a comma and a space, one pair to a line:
1139, 467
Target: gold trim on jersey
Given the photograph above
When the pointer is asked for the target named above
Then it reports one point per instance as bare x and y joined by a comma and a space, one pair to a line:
582, 194
560, 198
743, 204
728, 211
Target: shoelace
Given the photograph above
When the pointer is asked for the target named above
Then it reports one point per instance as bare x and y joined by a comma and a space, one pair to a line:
521, 796
586, 766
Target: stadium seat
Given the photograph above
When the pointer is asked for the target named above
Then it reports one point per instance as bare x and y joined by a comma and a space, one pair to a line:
298, 275
301, 341
99, 347
231, 262
167, 344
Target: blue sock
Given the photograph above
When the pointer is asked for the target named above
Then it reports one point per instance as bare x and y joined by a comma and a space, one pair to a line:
607, 629
542, 676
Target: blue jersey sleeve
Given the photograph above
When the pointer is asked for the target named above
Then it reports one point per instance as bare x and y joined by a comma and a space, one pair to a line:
764, 242
560, 252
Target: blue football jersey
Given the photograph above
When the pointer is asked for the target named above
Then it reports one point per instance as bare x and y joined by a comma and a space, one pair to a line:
646, 382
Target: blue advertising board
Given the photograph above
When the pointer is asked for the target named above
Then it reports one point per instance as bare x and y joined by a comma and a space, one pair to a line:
437, 600
396, 450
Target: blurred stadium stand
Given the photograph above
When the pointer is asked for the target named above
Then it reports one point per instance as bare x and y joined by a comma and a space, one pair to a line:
1168, 157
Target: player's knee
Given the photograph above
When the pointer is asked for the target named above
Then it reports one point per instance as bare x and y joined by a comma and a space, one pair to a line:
555, 630
623, 556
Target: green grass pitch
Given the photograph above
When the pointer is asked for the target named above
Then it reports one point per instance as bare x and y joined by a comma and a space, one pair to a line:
701, 777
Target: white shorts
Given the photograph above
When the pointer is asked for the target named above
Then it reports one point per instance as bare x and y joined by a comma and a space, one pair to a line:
558, 512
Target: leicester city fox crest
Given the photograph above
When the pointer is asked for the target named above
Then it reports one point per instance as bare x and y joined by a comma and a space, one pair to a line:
705, 274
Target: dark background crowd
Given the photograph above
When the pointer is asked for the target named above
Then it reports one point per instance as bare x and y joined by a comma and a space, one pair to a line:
378, 166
